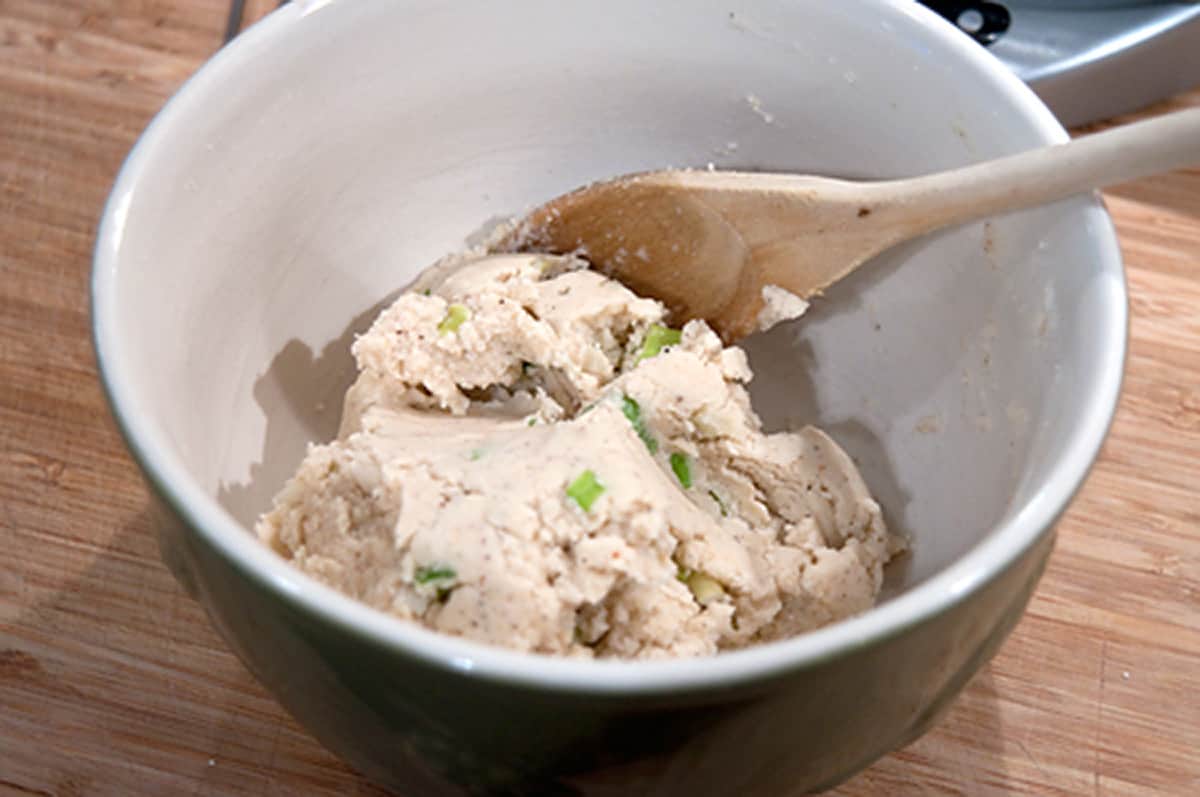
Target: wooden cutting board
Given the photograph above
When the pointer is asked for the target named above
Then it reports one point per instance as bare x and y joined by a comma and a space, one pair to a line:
113, 683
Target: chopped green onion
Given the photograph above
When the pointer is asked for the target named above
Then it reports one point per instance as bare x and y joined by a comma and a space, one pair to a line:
475, 455
428, 573
585, 490
705, 588
455, 315
682, 573
427, 292
681, 469
657, 337
532, 421
631, 410
720, 504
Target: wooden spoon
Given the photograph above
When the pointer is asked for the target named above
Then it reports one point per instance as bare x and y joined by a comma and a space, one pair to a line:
707, 243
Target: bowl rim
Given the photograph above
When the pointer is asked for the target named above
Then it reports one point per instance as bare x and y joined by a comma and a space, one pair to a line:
204, 517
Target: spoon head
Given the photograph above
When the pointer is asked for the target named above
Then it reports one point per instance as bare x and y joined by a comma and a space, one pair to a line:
658, 237
708, 244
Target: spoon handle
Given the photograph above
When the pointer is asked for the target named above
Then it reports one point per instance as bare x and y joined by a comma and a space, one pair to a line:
1046, 174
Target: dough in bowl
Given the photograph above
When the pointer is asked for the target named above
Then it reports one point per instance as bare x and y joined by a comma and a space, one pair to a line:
531, 457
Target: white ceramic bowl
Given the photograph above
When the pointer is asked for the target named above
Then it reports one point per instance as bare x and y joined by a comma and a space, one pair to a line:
317, 164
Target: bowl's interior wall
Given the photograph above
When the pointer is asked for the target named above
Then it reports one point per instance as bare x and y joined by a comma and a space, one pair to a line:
300, 192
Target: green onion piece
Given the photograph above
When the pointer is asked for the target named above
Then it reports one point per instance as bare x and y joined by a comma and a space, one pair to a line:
705, 589
681, 469
658, 336
475, 455
585, 490
427, 292
532, 421
720, 504
682, 573
427, 573
455, 315
633, 413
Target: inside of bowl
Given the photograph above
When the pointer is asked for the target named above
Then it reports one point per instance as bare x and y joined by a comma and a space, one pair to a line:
299, 184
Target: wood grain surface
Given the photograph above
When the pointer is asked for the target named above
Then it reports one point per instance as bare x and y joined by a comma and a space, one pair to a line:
113, 683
